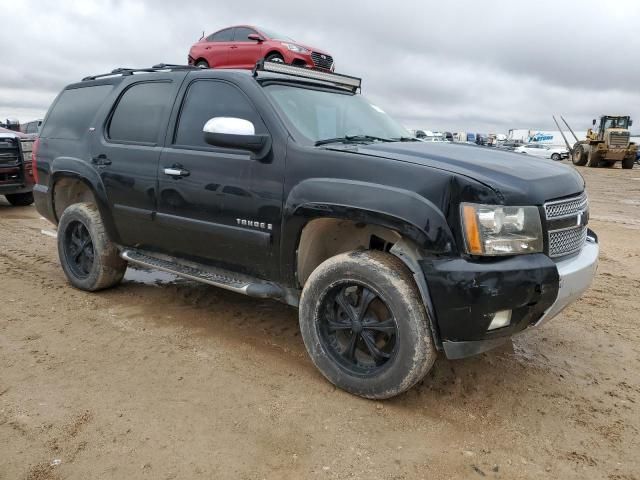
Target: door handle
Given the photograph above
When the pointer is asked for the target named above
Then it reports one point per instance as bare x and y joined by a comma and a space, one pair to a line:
101, 160
176, 171
233, 46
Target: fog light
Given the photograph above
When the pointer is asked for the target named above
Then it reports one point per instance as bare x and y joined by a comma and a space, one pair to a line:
500, 319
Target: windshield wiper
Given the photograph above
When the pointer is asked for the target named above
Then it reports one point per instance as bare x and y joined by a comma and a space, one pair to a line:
352, 139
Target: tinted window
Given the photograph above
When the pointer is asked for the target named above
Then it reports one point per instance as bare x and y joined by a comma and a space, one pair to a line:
208, 99
140, 112
242, 33
72, 114
221, 36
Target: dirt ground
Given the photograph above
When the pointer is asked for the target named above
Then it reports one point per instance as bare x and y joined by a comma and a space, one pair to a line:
167, 379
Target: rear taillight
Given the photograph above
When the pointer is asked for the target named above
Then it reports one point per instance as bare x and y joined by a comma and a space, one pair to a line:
34, 154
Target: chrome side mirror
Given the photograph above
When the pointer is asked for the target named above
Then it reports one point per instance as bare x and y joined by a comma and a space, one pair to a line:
239, 134
229, 126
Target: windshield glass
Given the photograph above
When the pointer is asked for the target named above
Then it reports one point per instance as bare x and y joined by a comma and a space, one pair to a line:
620, 122
275, 35
319, 115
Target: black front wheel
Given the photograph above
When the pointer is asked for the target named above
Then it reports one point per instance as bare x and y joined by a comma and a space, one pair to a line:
364, 324
88, 257
556, 157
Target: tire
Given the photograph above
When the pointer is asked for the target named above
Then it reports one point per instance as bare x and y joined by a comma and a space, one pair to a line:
579, 156
594, 159
395, 321
202, 64
96, 265
20, 199
274, 57
627, 163
556, 157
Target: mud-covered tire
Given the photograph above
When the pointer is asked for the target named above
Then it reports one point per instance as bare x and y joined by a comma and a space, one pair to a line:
106, 268
386, 276
594, 159
627, 163
20, 199
579, 156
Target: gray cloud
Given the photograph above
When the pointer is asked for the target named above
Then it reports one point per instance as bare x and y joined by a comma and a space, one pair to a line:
467, 65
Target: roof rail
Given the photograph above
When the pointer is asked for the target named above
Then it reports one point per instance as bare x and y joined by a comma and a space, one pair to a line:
160, 67
351, 83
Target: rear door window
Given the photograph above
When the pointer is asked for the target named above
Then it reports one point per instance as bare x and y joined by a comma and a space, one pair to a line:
73, 112
222, 36
140, 112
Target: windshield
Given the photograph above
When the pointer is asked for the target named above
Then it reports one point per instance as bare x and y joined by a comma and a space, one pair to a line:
320, 115
615, 122
275, 35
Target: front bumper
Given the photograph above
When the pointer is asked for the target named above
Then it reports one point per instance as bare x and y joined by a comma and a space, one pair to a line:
576, 275
535, 288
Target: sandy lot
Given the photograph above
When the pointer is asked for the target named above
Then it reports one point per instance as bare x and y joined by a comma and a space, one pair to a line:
166, 379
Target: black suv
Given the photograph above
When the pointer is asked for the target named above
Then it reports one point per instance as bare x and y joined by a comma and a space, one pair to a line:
286, 183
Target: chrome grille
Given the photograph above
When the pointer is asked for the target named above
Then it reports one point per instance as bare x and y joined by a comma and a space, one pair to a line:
565, 242
619, 139
9, 153
566, 207
322, 60
568, 239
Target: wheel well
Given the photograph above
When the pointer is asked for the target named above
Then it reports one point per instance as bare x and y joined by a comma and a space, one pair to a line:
201, 59
324, 238
272, 52
68, 191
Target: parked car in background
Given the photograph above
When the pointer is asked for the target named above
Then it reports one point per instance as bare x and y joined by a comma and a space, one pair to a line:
16, 171
31, 128
242, 46
543, 151
511, 145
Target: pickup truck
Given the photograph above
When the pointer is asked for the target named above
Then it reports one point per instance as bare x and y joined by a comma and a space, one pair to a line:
16, 173
286, 183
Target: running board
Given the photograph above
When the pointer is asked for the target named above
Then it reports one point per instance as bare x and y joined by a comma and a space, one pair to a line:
205, 274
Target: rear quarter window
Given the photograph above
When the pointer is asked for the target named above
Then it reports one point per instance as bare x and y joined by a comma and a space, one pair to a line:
73, 112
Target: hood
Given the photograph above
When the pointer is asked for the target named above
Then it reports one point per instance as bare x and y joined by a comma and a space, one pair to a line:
6, 131
518, 179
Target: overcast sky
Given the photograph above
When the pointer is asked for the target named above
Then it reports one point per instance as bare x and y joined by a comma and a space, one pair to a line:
473, 65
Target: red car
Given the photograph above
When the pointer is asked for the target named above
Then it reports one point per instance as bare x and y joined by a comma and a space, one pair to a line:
243, 45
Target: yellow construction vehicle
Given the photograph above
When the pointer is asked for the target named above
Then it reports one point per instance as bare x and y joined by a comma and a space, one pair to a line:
607, 142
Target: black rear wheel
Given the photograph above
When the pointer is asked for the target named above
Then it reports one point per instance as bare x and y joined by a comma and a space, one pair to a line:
88, 257
20, 199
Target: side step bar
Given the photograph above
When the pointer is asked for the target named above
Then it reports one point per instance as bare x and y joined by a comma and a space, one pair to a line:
205, 274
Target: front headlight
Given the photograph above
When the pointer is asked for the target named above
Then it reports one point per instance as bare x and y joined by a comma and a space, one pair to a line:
500, 230
295, 48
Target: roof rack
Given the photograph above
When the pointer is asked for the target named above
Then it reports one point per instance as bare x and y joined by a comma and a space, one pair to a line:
351, 83
160, 67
